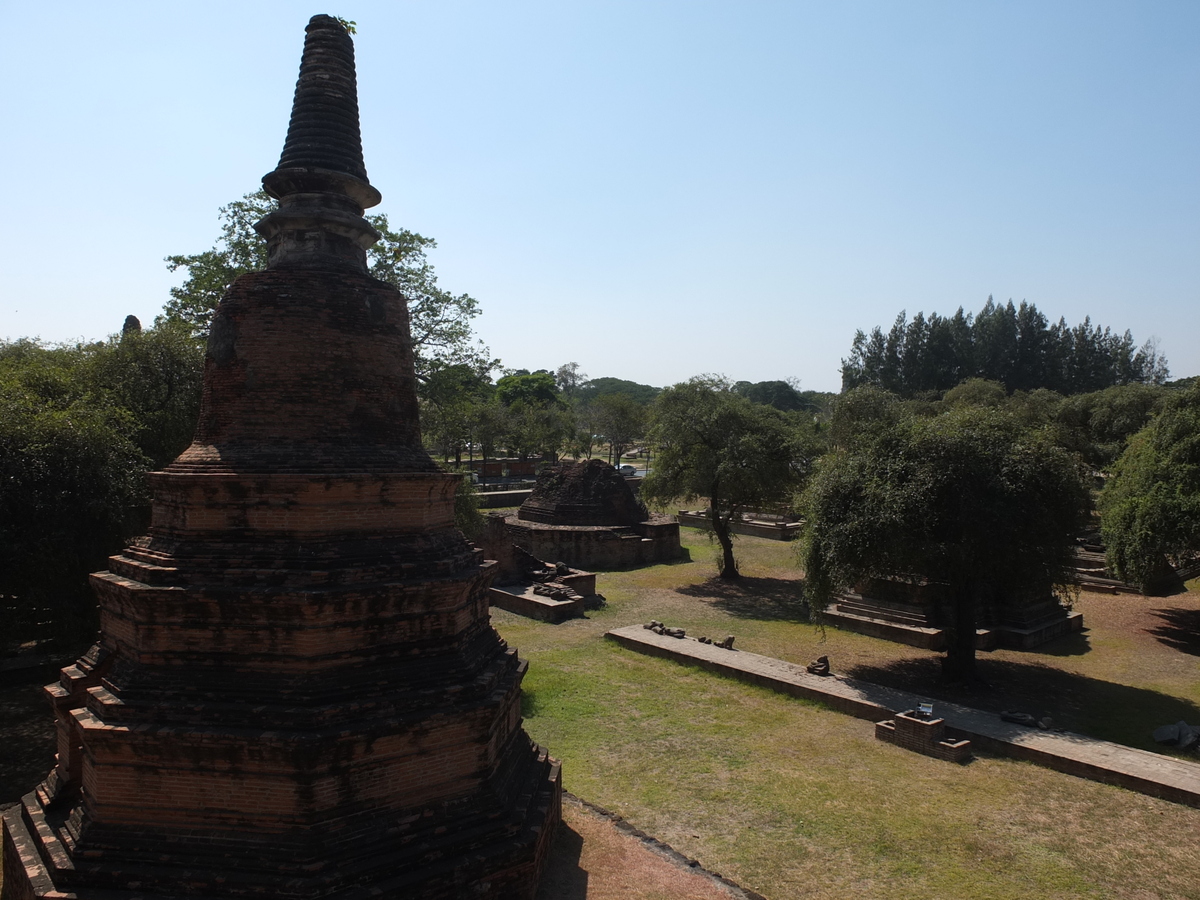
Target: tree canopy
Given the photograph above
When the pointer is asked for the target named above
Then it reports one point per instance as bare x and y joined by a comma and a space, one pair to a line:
1150, 507
713, 443
621, 420
80, 425
969, 498
600, 387
440, 320
1014, 346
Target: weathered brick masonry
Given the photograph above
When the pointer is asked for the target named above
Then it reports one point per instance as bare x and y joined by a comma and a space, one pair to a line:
297, 691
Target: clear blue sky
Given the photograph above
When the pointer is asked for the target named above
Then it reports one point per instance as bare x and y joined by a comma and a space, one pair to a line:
651, 189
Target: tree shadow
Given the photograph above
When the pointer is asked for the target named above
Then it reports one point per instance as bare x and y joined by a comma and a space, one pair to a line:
1100, 709
1076, 643
780, 599
563, 877
28, 740
1180, 629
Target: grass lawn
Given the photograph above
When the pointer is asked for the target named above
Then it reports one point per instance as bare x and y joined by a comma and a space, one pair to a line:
791, 799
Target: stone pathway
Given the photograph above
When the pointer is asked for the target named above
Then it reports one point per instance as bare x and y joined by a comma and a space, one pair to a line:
1138, 770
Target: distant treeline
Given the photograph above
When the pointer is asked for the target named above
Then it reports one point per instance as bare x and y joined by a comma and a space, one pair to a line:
1015, 346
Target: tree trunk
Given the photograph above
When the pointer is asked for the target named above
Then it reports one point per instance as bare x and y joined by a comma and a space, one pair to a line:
720, 527
959, 664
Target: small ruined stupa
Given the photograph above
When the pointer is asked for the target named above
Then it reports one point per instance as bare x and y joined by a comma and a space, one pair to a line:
585, 515
582, 493
297, 692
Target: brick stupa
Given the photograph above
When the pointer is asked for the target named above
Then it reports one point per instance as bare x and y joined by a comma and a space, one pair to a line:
297, 692
584, 514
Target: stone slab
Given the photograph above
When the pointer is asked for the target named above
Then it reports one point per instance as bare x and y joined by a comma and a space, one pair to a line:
1076, 754
521, 599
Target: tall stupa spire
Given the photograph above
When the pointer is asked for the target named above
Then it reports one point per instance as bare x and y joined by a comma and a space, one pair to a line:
321, 182
297, 693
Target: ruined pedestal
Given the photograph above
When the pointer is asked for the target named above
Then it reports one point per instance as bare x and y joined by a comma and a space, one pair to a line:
297, 692
923, 735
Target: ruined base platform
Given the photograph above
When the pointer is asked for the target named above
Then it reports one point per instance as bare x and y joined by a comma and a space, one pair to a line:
908, 624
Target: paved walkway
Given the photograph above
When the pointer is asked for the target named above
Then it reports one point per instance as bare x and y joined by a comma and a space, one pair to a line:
1139, 770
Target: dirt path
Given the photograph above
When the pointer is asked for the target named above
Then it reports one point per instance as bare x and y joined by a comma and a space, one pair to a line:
596, 859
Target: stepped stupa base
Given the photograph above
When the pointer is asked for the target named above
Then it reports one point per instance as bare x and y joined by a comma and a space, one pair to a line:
430, 853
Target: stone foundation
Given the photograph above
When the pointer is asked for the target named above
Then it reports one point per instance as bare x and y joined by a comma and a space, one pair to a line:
597, 546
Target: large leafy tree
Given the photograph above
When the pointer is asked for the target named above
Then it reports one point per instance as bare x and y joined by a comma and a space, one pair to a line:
536, 421
715, 444
621, 420
970, 498
79, 427
452, 408
70, 488
441, 321
1150, 507
157, 376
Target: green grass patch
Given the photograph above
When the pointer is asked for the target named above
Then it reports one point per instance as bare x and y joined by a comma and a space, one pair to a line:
792, 799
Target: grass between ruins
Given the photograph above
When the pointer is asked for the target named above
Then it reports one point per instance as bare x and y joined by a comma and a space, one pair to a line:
792, 799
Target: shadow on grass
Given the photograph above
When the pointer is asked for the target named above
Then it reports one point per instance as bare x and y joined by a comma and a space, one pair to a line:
1100, 709
1074, 644
780, 599
1180, 629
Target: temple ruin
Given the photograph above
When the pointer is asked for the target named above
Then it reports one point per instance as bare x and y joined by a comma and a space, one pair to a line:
584, 514
297, 692
914, 610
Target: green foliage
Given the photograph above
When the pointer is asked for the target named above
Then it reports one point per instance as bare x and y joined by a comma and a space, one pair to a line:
535, 429
79, 427
642, 394
156, 375
209, 274
467, 516
70, 488
1014, 346
621, 420
1099, 425
862, 413
569, 378
976, 392
970, 498
536, 388
453, 400
711, 442
780, 394
1150, 507
535, 420
440, 321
